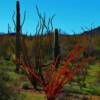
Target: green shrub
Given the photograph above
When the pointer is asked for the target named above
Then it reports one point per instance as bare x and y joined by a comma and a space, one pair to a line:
25, 85
6, 91
4, 77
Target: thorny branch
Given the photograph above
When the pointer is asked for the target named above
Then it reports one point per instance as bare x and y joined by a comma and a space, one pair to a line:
23, 19
14, 20
43, 24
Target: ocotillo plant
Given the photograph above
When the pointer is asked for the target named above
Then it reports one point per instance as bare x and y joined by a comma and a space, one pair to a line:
42, 25
56, 47
37, 57
55, 79
26, 58
18, 35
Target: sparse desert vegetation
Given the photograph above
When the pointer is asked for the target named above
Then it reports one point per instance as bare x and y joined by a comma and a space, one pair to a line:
49, 65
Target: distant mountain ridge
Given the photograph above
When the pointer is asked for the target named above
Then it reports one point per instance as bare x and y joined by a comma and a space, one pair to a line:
3, 34
95, 31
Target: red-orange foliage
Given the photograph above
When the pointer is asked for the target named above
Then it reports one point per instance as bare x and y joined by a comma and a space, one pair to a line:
55, 79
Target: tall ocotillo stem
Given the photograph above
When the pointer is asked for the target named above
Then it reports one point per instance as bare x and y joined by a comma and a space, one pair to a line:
18, 35
56, 47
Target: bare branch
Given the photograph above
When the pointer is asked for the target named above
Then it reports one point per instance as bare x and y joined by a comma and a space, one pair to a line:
43, 23
23, 19
9, 28
14, 20
51, 22
83, 28
37, 28
86, 28
39, 14
48, 22
73, 32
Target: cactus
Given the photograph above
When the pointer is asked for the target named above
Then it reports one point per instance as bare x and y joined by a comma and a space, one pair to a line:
56, 47
18, 35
